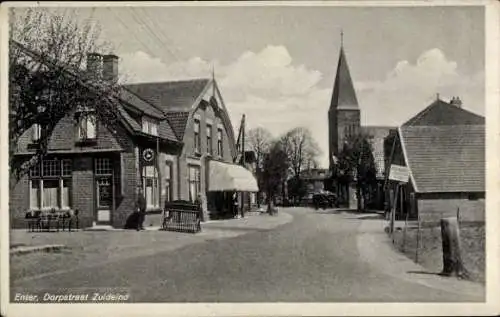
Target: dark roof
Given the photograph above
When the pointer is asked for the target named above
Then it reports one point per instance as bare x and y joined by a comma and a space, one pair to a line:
138, 103
170, 96
344, 94
443, 113
178, 121
446, 158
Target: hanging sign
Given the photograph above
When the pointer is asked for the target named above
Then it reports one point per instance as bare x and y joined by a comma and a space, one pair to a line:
399, 173
148, 155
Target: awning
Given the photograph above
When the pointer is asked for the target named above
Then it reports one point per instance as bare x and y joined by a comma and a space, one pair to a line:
230, 177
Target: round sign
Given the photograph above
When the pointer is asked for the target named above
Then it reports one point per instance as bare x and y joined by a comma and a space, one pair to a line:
148, 155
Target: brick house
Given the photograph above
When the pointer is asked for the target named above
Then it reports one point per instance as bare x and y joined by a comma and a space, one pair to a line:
97, 170
444, 148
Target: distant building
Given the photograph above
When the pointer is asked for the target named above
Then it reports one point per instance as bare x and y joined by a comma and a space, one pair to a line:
443, 147
344, 120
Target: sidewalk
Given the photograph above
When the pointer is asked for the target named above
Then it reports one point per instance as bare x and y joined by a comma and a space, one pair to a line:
93, 248
375, 247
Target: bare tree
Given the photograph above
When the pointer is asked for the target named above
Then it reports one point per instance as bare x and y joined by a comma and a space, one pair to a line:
259, 141
47, 55
302, 152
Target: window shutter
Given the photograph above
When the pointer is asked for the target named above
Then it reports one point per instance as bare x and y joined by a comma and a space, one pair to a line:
91, 126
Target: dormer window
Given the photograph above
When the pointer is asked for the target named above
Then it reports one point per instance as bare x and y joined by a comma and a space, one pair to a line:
149, 126
36, 131
87, 124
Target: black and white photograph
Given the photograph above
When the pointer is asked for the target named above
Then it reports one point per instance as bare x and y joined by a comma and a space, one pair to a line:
250, 153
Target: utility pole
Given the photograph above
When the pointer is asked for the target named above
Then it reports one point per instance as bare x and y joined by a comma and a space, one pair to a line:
243, 194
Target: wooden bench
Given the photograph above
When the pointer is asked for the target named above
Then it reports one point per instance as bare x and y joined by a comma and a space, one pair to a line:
182, 216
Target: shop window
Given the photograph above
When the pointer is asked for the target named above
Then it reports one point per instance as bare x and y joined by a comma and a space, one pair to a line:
50, 185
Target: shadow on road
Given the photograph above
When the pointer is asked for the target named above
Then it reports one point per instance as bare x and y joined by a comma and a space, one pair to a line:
368, 217
425, 273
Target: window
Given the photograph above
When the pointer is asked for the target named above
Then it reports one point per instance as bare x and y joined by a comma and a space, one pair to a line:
149, 126
219, 143
194, 182
150, 186
209, 139
168, 181
87, 126
103, 166
50, 184
197, 140
36, 133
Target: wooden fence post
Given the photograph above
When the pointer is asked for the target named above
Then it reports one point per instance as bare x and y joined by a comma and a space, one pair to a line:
452, 258
404, 232
418, 237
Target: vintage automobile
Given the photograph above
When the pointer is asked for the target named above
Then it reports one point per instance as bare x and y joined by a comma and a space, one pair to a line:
324, 199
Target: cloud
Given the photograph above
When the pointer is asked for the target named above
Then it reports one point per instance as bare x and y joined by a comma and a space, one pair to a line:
279, 95
408, 88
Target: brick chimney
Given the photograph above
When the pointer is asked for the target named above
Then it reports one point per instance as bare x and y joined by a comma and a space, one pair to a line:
110, 68
94, 66
455, 101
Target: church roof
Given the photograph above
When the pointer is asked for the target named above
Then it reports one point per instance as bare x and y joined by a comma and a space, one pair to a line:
344, 95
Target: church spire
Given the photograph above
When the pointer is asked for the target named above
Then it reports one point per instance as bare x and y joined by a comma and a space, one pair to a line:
344, 95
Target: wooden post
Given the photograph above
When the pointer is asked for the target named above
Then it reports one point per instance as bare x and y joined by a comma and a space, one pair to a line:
458, 215
404, 232
418, 236
452, 258
393, 212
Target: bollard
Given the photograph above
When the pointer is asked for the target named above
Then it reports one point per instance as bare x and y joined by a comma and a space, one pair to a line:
452, 258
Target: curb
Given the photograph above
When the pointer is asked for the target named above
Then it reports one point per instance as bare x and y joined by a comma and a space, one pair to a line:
40, 248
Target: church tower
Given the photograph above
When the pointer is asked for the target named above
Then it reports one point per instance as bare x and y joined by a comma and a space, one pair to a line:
344, 113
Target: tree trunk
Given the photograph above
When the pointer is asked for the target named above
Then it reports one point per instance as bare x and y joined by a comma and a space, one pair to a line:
452, 258
358, 198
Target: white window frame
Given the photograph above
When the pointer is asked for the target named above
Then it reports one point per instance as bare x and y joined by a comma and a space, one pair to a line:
60, 177
88, 120
150, 172
197, 135
220, 142
194, 179
150, 126
36, 133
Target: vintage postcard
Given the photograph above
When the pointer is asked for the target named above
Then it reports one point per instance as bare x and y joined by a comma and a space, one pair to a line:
250, 158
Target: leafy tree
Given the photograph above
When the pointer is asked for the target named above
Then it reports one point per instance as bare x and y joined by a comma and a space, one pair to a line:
356, 163
259, 141
275, 170
47, 55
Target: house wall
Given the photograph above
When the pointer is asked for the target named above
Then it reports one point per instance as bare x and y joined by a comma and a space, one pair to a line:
83, 193
433, 207
188, 155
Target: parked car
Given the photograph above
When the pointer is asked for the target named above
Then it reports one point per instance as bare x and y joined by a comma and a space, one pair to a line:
324, 200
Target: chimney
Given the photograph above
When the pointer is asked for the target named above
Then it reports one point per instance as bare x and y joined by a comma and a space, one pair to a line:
455, 101
110, 68
94, 66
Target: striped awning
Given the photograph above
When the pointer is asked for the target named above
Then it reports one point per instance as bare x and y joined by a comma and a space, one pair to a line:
230, 177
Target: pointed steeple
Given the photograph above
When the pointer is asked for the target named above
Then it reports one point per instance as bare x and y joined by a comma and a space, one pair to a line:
344, 95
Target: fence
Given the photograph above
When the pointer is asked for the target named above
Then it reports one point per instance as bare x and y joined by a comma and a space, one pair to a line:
421, 241
182, 216
53, 219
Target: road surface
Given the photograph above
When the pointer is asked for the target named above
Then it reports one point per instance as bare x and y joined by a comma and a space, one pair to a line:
315, 258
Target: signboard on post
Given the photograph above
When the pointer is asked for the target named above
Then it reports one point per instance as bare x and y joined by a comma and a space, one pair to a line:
399, 173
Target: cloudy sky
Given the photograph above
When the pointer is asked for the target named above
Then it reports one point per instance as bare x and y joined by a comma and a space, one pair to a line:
277, 64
